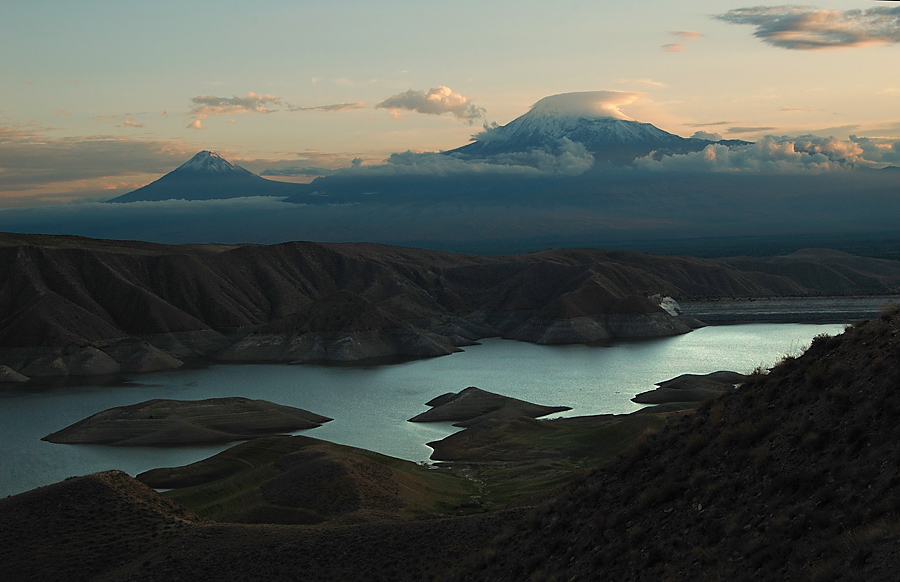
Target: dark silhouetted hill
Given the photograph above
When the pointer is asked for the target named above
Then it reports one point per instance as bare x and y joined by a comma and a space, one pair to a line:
794, 476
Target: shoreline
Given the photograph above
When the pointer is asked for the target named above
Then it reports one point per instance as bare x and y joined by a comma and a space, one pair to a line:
815, 310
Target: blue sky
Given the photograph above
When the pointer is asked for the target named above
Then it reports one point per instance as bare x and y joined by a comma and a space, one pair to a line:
98, 98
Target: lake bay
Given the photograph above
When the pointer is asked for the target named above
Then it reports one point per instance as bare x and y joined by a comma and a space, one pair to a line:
370, 404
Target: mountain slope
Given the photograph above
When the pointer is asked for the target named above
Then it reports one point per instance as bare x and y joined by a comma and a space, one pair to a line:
207, 176
607, 134
794, 476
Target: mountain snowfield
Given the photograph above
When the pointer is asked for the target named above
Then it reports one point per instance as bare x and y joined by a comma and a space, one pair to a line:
546, 121
209, 161
587, 118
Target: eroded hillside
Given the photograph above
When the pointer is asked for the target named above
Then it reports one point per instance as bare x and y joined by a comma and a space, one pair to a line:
76, 306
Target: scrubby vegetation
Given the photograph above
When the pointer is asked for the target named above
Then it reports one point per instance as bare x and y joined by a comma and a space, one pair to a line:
794, 476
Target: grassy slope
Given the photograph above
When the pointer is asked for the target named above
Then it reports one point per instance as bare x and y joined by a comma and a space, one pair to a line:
247, 483
794, 476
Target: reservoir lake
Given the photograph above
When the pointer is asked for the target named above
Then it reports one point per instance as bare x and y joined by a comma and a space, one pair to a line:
370, 405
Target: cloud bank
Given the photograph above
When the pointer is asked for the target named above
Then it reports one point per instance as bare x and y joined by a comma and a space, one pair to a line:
781, 155
707, 135
805, 28
308, 171
33, 163
565, 158
436, 101
499, 212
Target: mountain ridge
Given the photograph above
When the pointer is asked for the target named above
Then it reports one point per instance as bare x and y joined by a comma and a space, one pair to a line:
76, 306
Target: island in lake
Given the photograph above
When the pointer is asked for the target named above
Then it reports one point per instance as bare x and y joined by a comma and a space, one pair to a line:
163, 422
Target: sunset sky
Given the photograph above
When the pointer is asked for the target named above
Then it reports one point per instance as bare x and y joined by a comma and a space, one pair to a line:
100, 97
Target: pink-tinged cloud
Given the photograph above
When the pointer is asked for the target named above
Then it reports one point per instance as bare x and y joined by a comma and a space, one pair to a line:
782, 155
436, 101
709, 123
250, 103
211, 105
707, 135
687, 34
589, 103
33, 162
335, 108
643, 81
757, 129
805, 28
673, 48
126, 120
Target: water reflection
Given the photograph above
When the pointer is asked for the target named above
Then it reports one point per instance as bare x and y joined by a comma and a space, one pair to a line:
370, 405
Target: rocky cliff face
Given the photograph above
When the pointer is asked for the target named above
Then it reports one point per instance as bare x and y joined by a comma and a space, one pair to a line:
76, 306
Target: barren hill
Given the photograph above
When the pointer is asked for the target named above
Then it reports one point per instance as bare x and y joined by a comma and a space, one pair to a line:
76, 306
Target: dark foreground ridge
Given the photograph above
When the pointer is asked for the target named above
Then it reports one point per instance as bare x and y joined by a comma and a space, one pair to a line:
793, 476
72, 306
107, 526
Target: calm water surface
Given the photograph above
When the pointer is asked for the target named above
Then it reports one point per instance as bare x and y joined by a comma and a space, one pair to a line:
370, 405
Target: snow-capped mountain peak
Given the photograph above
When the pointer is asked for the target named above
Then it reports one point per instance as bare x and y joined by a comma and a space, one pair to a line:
592, 131
209, 161
208, 176
591, 118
